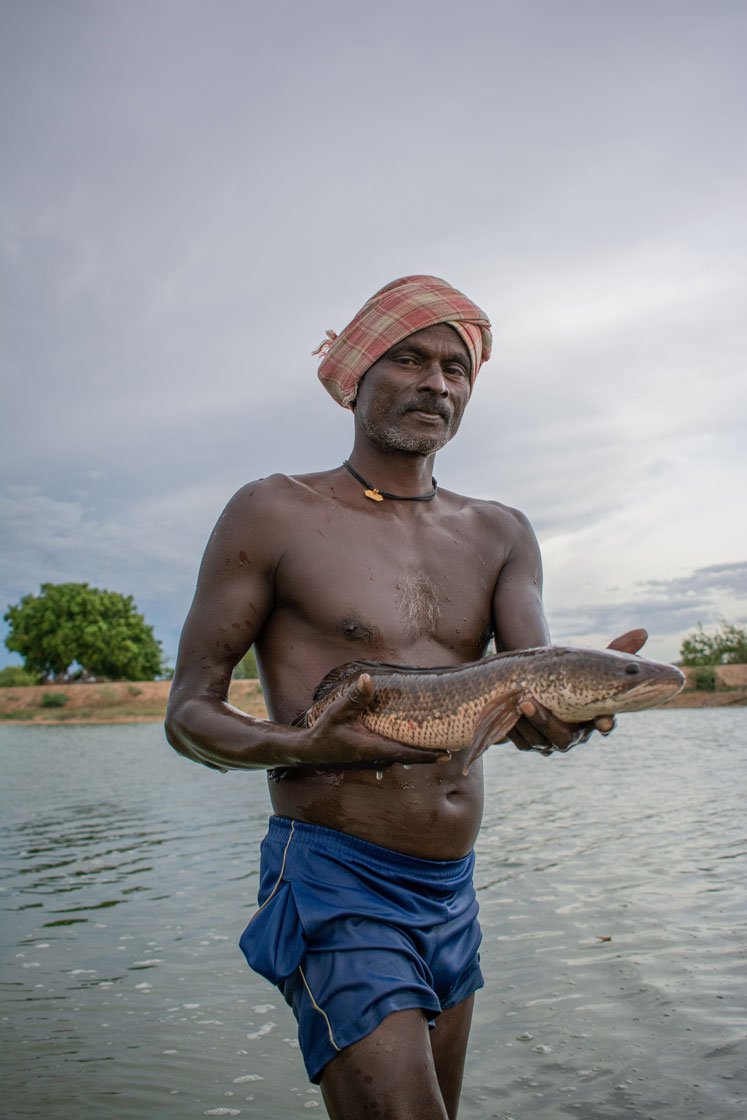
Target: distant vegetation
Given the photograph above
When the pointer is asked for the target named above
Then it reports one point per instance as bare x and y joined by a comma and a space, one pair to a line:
13, 676
704, 677
726, 644
54, 699
246, 670
71, 631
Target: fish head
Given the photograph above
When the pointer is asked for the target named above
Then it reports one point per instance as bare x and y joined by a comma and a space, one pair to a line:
585, 683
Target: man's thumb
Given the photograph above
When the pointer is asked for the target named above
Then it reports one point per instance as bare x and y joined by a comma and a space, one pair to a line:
360, 694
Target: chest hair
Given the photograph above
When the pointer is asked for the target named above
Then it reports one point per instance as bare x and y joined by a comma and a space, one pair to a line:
418, 604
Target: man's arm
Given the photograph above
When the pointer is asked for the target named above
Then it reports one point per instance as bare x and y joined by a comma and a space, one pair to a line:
234, 598
520, 623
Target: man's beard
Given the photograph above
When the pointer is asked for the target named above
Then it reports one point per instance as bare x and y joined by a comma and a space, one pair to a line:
390, 437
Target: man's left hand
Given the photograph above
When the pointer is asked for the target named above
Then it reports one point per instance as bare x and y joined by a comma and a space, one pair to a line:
539, 729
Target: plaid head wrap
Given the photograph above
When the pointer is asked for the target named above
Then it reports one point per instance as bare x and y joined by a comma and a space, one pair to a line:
393, 313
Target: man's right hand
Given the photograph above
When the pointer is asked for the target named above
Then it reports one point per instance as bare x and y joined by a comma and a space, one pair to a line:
539, 729
338, 736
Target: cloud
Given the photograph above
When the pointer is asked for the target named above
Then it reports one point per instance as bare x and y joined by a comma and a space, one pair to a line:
189, 203
146, 549
731, 578
666, 607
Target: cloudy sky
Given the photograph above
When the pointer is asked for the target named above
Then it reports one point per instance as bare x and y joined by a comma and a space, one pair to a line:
194, 191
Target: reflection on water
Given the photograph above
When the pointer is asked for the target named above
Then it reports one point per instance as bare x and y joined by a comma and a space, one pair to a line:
611, 884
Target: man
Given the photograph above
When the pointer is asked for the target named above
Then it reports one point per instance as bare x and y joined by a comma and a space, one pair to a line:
367, 916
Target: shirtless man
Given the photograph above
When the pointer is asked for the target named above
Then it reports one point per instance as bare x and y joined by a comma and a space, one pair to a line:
367, 917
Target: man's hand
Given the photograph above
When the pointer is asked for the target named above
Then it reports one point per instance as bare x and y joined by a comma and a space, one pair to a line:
339, 737
539, 729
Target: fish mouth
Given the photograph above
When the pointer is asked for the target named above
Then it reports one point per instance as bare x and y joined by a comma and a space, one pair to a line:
649, 693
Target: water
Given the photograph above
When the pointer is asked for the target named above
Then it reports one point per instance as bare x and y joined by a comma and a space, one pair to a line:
612, 895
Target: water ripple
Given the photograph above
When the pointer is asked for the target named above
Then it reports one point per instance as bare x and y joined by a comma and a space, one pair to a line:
611, 885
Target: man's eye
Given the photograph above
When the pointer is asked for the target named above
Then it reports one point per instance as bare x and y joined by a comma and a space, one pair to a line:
456, 371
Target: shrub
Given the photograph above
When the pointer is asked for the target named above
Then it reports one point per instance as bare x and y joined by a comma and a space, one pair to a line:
247, 667
725, 644
15, 676
54, 699
705, 678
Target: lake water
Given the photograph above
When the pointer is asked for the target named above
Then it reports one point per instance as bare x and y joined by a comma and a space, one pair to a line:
612, 891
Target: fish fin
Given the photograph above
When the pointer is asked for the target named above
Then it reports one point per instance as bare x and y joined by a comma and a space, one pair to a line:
335, 677
353, 669
495, 722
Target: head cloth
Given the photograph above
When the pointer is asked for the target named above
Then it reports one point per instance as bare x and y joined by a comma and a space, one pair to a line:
393, 313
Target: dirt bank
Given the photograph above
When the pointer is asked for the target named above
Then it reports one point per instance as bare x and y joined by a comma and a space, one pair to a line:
145, 701
117, 702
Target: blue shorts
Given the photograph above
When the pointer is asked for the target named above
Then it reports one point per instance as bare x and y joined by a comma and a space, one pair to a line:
350, 932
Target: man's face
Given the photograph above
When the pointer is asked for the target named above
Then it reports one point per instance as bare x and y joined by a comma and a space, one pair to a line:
413, 398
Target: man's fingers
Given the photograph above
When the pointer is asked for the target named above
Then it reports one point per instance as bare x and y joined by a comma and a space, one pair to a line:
538, 727
340, 725
385, 752
407, 756
519, 740
550, 729
629, 642
525, 734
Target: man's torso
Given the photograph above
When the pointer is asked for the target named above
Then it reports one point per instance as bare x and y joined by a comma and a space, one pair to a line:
403, 582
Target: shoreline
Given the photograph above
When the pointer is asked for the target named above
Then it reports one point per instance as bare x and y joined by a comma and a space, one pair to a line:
111, 702
145, 702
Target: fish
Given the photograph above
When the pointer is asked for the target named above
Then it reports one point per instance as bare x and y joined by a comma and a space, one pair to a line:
468, 707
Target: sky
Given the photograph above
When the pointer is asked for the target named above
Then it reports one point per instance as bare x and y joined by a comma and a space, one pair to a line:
193, 192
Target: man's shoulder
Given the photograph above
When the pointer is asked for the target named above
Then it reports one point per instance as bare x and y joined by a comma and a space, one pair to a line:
265, 514
277, 494
489, 511
274, 486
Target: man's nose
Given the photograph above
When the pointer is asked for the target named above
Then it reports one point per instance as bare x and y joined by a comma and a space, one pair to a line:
433, 379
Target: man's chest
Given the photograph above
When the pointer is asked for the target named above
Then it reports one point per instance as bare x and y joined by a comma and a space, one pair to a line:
390, 590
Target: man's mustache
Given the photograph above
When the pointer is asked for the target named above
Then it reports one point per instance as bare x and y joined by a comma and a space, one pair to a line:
437, 407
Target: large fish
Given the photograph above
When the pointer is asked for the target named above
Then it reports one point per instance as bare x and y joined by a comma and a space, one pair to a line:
473, 705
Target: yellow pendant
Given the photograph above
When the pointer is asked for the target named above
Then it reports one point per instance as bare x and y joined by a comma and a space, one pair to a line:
374, 495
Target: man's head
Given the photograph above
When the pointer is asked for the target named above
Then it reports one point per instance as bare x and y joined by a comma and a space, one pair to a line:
412, 399
397, 311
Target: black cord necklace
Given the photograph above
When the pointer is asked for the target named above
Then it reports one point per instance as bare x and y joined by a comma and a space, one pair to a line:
379, 495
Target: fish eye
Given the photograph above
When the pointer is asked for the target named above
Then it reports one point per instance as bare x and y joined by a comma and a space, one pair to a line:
632, 669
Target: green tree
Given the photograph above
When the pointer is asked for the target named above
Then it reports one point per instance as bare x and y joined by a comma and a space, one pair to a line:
13, 676
247, 667
72, 624
726, 644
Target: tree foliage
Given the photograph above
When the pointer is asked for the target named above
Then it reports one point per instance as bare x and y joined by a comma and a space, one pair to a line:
71, 629
247, 667
724, 645
13, 676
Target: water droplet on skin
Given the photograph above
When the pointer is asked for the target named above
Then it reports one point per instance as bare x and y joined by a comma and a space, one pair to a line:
379, 775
